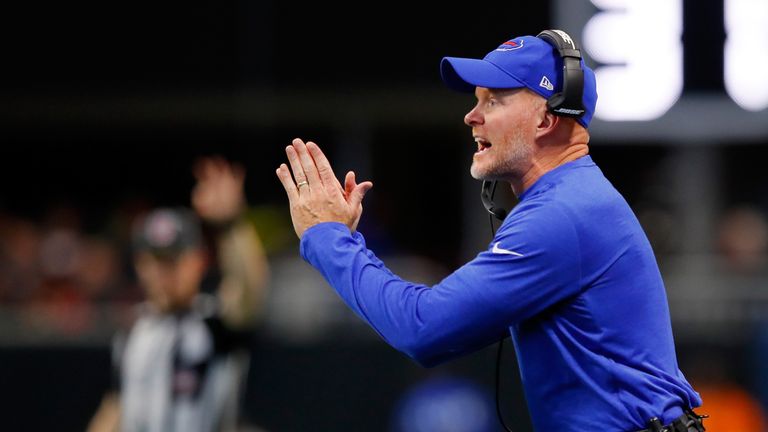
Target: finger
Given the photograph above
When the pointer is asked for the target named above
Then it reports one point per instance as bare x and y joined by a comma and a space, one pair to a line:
214, 169
293, 159
310, 170
213, 166
207, 169
358, 193
324, 169
349, 184
227, 170
221, 166
285, 178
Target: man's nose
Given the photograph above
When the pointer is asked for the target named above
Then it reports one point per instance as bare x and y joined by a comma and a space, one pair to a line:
473, 117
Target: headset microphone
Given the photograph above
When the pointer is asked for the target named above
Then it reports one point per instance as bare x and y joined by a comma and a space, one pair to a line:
486, 195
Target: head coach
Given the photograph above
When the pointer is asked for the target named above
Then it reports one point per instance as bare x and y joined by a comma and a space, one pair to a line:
570, 273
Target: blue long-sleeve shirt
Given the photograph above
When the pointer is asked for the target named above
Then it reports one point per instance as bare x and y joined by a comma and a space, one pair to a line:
570, 273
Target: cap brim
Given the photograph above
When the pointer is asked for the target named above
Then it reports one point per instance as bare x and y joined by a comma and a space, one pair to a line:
463, 74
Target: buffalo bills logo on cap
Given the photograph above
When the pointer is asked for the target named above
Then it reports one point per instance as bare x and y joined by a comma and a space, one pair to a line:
510, 45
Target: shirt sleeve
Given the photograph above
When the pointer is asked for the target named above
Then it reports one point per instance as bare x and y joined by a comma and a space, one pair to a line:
531, 264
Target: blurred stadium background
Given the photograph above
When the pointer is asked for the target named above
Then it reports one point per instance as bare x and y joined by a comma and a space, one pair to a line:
104, 107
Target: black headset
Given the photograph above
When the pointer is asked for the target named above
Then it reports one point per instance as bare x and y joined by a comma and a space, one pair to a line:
566, 103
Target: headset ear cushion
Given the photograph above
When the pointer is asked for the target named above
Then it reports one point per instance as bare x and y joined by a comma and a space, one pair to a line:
555, 101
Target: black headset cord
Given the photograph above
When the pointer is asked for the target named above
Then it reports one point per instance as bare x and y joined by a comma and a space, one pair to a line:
498, 351
498, 386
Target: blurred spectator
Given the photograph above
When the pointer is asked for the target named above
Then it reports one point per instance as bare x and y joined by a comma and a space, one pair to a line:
54, 274
180, 366
100, 279
59, 303
19, 259
742, 239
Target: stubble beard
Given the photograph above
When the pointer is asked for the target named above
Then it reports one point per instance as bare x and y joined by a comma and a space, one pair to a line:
509, 164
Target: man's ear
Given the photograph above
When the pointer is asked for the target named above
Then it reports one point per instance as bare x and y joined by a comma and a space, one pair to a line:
547, 123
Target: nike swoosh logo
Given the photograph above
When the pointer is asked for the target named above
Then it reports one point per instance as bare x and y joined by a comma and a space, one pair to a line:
497, 250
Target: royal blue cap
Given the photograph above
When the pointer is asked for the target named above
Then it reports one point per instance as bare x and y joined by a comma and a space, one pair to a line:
525, 61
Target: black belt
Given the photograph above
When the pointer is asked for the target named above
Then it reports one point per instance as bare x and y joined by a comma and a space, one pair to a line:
688, 422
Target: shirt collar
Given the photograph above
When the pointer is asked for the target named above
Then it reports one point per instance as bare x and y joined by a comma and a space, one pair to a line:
555, 174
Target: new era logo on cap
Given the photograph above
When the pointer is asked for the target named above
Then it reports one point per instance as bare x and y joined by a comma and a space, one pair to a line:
546, 84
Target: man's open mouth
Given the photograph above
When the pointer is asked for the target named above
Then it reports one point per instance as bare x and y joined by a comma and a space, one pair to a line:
482, 144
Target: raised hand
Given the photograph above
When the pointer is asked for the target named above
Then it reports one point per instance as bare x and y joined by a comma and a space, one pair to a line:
314, 193
218, 195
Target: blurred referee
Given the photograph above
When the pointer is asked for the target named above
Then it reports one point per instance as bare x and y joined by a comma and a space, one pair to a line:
181, 365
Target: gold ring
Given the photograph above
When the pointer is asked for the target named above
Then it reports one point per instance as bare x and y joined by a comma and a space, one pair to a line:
302, 183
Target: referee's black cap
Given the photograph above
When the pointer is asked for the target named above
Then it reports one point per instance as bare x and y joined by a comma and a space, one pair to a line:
167, 232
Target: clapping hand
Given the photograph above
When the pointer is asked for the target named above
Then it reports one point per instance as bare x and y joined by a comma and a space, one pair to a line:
314, 193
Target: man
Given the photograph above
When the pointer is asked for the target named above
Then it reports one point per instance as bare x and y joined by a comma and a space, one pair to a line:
570, 273
181, 366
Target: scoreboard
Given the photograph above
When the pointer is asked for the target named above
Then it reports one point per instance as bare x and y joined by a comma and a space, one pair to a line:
651, 56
